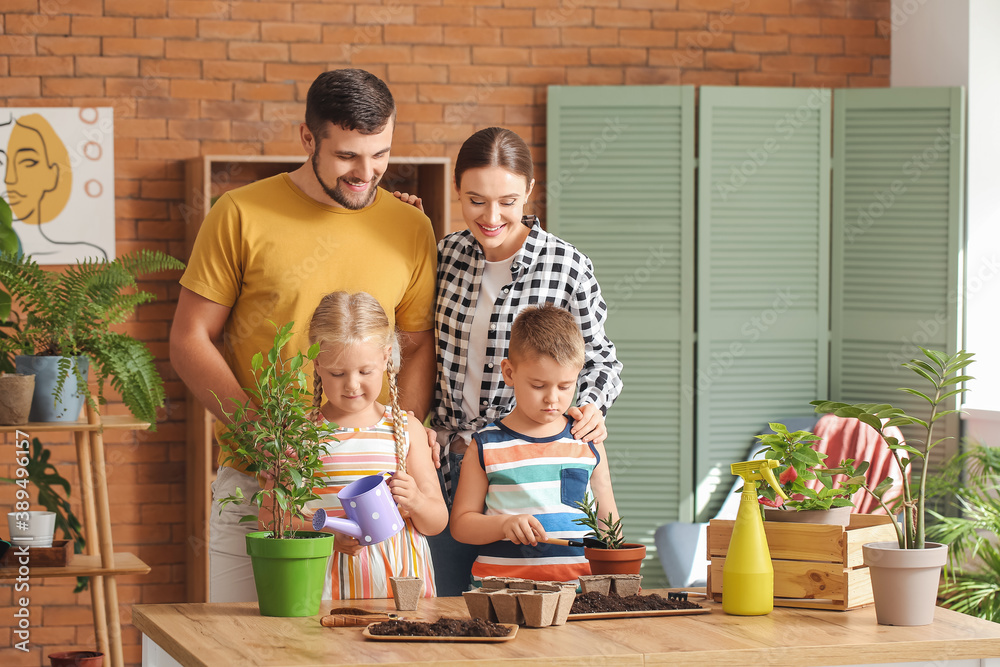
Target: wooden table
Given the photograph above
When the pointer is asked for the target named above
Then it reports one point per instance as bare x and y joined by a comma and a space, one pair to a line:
235, 634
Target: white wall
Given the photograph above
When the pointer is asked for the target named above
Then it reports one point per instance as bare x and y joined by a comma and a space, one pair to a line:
930, 42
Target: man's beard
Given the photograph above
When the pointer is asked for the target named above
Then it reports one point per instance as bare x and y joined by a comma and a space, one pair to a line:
343, 197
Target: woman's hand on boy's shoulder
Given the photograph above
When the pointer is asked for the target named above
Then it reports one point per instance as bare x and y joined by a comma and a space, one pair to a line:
589, 423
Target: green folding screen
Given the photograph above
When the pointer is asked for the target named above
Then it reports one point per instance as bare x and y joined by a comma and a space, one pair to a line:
620, 165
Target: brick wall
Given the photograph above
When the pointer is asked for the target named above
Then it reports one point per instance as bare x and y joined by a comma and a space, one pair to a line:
193, 77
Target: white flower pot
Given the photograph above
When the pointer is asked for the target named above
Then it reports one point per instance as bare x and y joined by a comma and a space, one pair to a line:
31, 529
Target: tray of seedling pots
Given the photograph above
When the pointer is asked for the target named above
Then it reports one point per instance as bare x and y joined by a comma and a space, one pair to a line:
617, 596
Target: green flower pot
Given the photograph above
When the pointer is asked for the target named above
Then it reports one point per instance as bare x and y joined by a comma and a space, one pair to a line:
289, 573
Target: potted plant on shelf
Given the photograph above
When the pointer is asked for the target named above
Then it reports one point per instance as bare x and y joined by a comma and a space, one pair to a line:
272, 432
64, 324
16, 389
616, 556
827, 500
905, 573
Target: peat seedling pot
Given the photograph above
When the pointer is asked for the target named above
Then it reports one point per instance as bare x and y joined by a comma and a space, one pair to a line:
16, 392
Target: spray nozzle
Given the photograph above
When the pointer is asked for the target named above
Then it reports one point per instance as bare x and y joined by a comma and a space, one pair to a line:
760, 469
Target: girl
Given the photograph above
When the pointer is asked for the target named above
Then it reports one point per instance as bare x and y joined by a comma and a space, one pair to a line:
356, 348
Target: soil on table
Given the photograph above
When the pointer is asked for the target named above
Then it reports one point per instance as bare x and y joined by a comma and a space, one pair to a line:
354, 611
592, 603
443, 627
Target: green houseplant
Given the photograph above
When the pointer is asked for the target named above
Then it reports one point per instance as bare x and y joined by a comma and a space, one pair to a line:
67, 318
615, 556
899, 602
273, 433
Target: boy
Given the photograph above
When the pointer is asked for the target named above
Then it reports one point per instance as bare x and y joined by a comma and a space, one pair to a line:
527, 471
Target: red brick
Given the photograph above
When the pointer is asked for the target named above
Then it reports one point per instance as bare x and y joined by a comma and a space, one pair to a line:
121, 46
102, 26
475, 36
881, 67
149, 8
135, 208
377, 53
591, 37
323, 53
264, 91
261, 11
736, 22
855, 27
193, 49
384, 14
792, 26
456, 94
712, 5
265, 51
595, 76
652, 76
795, 64
728, 60
868, 81
56, 616
166, 28
765, 79
531, 37
649, 4
421, 113
290, 32
87, 66
443, 55
680, 20
201, 90
538, 76
705, 39
867, 46
817, 45
409, 34
843, 65
820, 81
618, 56
362, 34
761, 43
836, 8
505, 18
623, 18
197, 9
170, 69
481, 115
69, 46
560, 56
140, 127
70, 87
4, 66
133, 87
314, 12
682, 58
562, 17
868, 9
698, 77
233, 70
284, 72
18, 45
503, 55
41, 65
630, 37
764, 7
476, 74
419, 73
229, 29
445, 16
36, 24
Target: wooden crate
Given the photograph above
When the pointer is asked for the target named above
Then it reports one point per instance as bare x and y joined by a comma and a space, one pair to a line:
815, 566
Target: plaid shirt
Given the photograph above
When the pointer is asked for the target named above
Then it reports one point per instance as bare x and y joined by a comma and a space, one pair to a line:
545, 269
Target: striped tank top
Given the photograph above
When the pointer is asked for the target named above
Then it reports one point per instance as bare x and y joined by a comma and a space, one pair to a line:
539, 476
361, 452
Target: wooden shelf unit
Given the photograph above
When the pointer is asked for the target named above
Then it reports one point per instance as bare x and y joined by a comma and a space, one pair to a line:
206, 178
101, 563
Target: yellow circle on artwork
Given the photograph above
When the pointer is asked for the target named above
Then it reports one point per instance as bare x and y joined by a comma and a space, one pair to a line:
38, 176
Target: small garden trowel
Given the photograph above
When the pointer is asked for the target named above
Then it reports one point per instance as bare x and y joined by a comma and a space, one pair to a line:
589, 542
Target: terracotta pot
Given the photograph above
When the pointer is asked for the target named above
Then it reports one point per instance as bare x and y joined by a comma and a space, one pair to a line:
835, 516
15, 398
626, 560
76, 659
905, 581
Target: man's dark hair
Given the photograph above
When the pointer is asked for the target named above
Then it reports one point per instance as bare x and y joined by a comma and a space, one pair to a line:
351, 98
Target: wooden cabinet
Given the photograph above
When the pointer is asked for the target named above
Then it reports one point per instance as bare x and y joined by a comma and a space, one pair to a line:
207, 177
100, 562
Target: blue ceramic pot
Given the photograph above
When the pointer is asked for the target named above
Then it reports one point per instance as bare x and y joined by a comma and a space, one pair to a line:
44, 407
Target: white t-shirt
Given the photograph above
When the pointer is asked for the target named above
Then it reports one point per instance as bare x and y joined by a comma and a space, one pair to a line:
495, 276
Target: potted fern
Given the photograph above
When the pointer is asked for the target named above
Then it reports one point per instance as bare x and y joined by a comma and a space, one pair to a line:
63, 325
613, 555
905, 573
273, 432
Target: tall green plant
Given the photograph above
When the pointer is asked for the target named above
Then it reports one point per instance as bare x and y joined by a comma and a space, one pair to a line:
274, 433
611, 534
941, 371
970, 482
70, 314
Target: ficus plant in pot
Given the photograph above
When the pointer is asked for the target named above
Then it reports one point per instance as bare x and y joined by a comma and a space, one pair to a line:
273, 433
909, 602
614, 555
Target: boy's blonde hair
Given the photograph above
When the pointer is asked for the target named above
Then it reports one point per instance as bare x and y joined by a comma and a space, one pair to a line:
344, 319
546, 330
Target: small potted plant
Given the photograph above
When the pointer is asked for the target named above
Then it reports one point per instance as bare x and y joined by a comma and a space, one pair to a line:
905, 573
64, 325
274, 433
828, 501
615, 556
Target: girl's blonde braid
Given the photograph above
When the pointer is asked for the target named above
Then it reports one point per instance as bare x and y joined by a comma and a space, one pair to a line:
317, 393
398, 429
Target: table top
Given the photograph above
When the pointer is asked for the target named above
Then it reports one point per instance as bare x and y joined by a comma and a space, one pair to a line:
235, 633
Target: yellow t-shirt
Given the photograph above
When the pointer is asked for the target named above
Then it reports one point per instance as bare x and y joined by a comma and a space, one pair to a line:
270, 252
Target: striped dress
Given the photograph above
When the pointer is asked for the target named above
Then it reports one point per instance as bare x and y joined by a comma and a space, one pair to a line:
543, 477
361, 452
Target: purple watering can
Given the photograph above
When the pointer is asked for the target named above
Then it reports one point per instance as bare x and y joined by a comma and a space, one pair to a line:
372, 515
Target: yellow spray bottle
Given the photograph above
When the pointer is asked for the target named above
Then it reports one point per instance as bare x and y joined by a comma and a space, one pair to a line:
747, 574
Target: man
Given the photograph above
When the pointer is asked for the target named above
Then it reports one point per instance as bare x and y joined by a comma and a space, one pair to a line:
268, 252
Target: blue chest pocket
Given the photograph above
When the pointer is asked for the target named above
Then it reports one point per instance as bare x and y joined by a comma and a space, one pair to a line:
573, 485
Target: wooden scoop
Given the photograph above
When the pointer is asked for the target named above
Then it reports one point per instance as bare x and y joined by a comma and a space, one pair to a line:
349, 617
